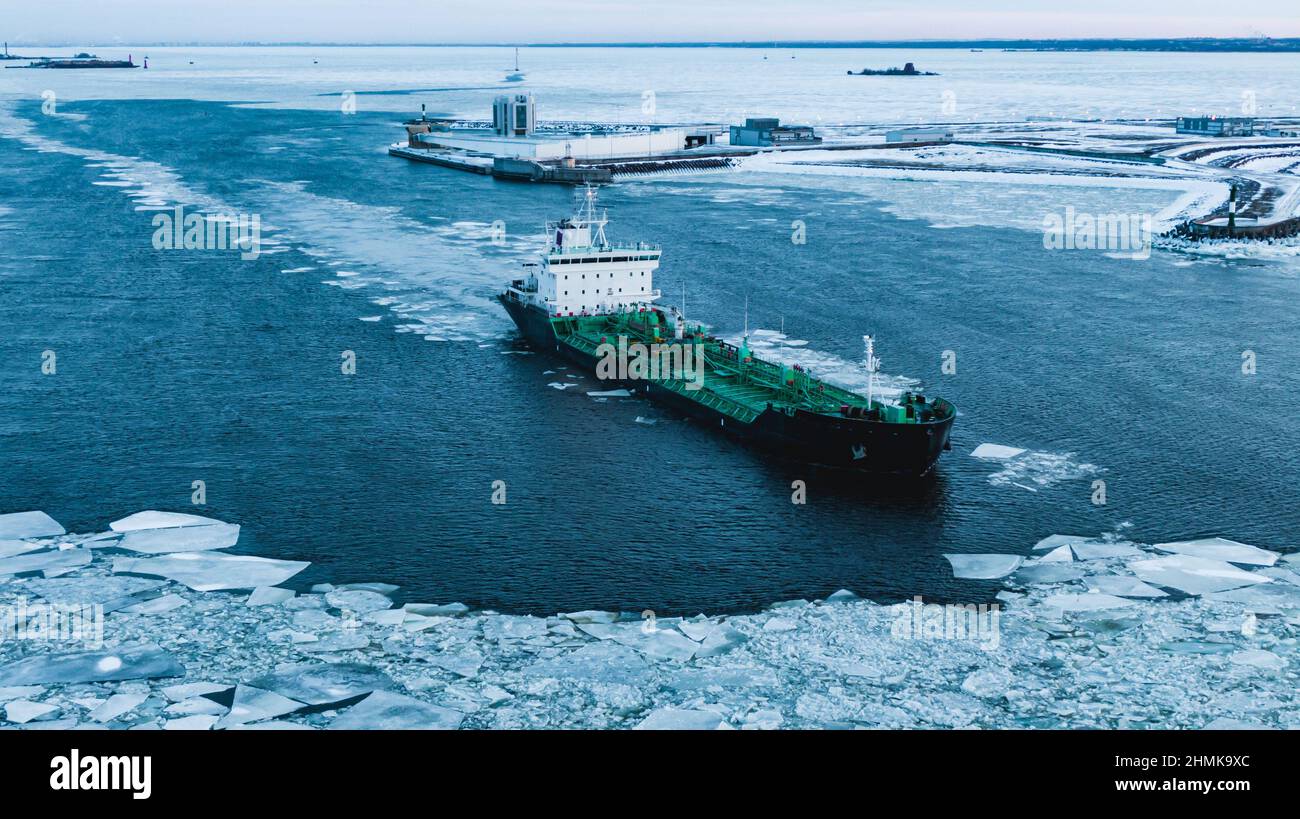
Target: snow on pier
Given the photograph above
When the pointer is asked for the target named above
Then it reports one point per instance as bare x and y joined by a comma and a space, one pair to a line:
1087, 632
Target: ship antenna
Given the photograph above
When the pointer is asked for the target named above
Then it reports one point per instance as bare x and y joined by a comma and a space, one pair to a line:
872, 364
746, 317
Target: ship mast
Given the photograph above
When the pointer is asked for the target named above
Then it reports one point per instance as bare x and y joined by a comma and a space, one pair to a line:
873, 364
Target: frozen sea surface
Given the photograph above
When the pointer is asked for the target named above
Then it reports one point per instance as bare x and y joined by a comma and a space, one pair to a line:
1100, 649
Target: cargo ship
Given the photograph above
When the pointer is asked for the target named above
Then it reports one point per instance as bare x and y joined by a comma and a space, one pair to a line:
592, 302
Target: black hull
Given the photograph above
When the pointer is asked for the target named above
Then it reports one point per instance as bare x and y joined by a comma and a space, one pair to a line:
909, 450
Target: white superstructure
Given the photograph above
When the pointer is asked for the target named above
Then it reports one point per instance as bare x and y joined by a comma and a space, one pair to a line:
582, 273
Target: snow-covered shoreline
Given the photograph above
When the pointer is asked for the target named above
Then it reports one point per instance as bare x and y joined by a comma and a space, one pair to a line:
1080, 642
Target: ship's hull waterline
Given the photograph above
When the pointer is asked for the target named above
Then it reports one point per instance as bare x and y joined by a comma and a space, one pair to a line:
876, 447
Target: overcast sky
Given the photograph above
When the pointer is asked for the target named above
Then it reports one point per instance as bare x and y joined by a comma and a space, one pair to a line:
430, 21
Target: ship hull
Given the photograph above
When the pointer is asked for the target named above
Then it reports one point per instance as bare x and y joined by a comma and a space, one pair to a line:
908, 450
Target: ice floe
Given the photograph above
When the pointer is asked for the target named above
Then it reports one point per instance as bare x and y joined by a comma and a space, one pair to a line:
21, 525
983, 566
1099, 642
159, 520
211, 571
194, 538
1217, 548
996, 452
1194, 575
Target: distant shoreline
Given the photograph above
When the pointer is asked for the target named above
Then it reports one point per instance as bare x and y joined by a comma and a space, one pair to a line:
1282, 45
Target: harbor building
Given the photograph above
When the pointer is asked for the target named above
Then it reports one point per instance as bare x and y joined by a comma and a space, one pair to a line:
766, 132
1216, 126
926, 135
514, 115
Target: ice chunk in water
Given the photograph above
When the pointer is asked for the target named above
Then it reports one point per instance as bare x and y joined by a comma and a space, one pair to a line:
253, 704
358, 600
128, 662
678, 719
117, 705
23, 711
53, 562
1086, 602
1054, 541
102, 590
212, 571
983, 566
324, 684
184, 691
1061, 554
609, 394
181, 539
1095, 550
1217, 548
269, 596
9, 548
1193, 575
159, 520
996, 452
198, 722
19, 525
1122, 586
384, 710
158, 605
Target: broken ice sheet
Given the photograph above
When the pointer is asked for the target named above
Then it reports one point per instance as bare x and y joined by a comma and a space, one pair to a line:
20, 525
983, 566
996, 452
324, 683
1055, 541
679, 719
1193, 575
102, 590
181, 539
117, 705
1217, 548
1098, 550
1086, 602
1122, 586
128, 662
159, 520
254, 704
213, 571
609, 394
51, 561
384, 710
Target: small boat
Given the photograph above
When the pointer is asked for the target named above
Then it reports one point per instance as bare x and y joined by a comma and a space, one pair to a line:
516, 75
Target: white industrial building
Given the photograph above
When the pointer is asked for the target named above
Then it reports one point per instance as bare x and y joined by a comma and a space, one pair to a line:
558, 146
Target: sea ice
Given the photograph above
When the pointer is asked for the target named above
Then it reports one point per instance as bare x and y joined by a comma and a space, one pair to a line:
321, 684
1039, 573
1061, 554
436, 609
1193, 575
1054, 541
9, 548
358, 600
198, 722
384, 710
128, 662
253, 704
181, 539
609, 394
591, 616
1086, 602
269, 596
1094, 550
176, 693
23, 711
159, 520
117, 705
996, 452
50, 562
1122, 586
679, 719
721, 640
1217, 548
983, 566
1258, 658
212, 571
20, 525
158, 605
604, 662
102, 590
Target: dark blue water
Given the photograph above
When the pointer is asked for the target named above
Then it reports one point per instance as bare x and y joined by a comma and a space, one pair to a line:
183, 366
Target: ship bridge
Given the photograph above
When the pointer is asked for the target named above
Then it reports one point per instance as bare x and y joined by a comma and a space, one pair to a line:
583, 273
